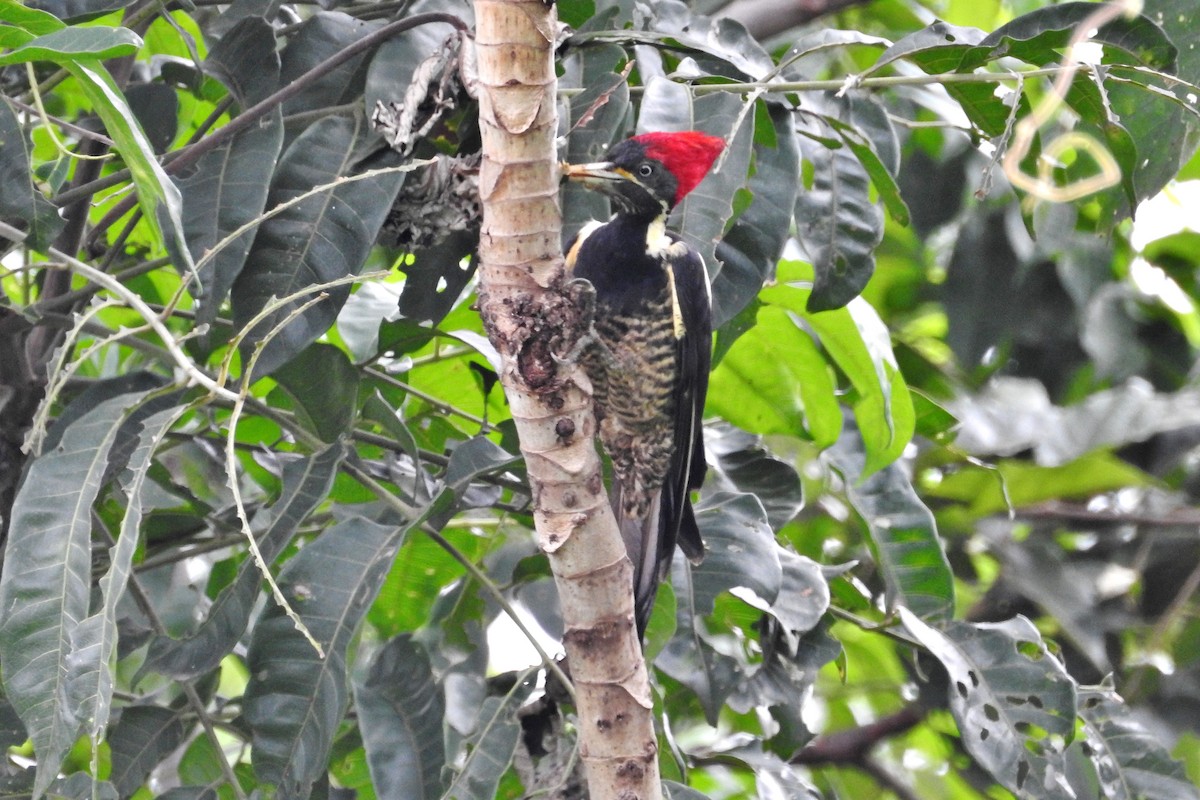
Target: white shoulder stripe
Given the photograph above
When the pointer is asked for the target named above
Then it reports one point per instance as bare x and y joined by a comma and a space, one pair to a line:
584, 232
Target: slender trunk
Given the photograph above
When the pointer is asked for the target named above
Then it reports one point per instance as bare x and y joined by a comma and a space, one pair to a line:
529, 319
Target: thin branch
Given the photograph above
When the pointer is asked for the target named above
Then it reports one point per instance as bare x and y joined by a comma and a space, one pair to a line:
472, 569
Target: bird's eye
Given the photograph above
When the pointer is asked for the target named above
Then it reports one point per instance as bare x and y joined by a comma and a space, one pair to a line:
645, 170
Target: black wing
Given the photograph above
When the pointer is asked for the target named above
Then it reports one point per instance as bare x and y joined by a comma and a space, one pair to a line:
694, 357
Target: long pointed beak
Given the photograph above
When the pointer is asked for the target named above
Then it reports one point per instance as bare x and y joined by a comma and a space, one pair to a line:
597, 172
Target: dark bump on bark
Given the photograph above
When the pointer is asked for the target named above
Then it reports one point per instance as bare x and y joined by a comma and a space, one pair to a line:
570, 500
565, 427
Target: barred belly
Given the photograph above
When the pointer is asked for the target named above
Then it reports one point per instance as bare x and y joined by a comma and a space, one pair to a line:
633, 372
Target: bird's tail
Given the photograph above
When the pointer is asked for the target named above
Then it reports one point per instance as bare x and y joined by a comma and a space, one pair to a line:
650, 544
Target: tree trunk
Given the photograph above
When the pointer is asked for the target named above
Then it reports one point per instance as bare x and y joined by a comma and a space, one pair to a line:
530, 318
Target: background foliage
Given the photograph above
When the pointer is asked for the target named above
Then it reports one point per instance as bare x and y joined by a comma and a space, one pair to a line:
951, 510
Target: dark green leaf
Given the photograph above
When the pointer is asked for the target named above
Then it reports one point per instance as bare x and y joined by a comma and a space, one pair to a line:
296, 699
229, 186
677, 791
742, 464
393, 64
598, 117
740, 553
1130, 761
1037, 37
156, 106
325, 237
911, 558
838, 224
1013, 701
864, 127
142, 738
491, 747
246, 62
746, 255
689, 657
323, 386
20, 198
321, 36
435, 280
91, 663
47, 577
401, 712
306, 484
937, 48
803, 595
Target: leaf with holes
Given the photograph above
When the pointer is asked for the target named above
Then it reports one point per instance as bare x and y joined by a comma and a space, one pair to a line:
1130, 761
1012, 699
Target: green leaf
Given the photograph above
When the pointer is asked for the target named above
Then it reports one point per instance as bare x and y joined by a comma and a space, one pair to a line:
401, 711
740, 553
323, 238
306, 484
740, 463
296, 699
774, 379
319, 37
838, 224
939, 47
1013, 701
1130, 761
1018, 484
77, 43
803, 595
605, 102
689, 657
91, 663
323, 386
159, 198
1037, 37
911, 558
228, 187
34, 20
140, 740
491, 747
864, 127
747, 253
20, 198
47, 578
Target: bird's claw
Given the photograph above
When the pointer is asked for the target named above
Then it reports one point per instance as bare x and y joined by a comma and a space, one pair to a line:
582, 295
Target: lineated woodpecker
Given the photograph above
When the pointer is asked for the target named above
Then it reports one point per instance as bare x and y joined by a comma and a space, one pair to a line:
649, 357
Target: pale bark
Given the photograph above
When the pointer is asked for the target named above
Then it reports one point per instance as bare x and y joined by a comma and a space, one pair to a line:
529, 319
